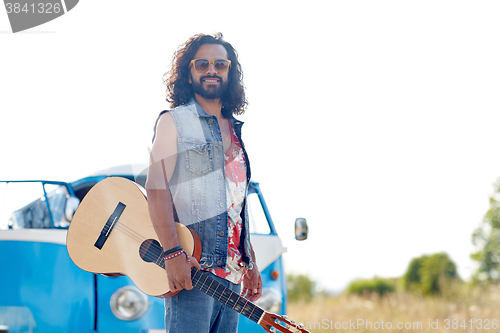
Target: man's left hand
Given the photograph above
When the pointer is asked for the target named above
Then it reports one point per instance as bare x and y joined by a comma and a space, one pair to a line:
252, 284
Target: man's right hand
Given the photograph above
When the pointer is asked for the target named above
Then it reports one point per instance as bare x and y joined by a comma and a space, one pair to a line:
179, 272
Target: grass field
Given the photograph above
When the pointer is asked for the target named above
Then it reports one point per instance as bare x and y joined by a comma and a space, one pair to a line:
461, 309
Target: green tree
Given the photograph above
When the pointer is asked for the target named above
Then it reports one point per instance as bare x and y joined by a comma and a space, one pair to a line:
428, 273
486, 239
368, 286
299, 287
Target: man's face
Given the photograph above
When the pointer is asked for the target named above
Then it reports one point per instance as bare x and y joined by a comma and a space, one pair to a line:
210, 84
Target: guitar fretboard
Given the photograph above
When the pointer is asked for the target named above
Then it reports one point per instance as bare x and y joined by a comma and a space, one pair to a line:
227, 297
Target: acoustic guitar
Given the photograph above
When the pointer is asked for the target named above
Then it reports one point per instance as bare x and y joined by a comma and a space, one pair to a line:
111, 233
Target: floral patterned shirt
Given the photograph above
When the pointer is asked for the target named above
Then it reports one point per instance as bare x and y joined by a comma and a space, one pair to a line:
236, 182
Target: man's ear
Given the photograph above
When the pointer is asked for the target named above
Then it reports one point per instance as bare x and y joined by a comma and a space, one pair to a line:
189, 78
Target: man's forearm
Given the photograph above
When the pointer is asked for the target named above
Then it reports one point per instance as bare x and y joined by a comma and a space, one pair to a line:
162, 217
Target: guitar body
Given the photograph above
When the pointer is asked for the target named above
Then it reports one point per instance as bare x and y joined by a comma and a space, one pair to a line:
128, 242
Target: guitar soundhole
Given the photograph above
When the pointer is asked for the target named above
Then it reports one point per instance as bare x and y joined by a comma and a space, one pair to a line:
150, 250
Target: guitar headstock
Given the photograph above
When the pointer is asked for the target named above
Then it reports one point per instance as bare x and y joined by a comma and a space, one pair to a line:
280, 324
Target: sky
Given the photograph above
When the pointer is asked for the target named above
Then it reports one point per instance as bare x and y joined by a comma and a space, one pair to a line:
377, 121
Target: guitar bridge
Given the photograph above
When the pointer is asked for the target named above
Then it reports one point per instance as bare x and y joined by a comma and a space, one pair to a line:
106, 230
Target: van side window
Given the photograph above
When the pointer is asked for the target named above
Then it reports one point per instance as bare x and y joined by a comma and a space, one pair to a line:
258, 220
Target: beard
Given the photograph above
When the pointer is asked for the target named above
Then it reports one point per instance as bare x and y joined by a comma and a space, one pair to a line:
212, 91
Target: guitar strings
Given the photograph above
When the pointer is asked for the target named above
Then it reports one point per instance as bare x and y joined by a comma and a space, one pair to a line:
153, 253
156, 251
132, 234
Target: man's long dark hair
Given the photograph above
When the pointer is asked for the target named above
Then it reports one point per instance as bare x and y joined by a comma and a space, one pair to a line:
180, 91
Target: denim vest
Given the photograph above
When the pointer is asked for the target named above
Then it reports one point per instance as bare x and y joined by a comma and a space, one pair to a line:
198, 184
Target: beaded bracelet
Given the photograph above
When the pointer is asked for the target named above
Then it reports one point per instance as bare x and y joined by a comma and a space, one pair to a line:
172, 250
176, 254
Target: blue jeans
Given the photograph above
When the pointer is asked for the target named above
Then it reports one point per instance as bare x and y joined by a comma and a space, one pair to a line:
193, 311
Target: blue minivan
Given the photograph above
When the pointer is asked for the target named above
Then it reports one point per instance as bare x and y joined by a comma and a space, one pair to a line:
43, 291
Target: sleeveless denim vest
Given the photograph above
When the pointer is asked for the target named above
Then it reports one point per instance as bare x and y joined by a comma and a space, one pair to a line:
198, 185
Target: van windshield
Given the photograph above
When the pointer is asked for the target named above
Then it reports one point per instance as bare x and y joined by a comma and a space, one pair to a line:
23, 205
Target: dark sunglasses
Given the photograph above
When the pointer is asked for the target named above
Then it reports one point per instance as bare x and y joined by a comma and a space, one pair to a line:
220, 65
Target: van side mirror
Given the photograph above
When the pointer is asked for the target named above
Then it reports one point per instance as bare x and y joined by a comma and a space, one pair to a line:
71, 206
300, 228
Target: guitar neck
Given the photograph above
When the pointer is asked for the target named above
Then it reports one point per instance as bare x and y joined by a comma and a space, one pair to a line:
227, 297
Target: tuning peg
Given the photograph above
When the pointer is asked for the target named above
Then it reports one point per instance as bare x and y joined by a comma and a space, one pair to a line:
301, 326
293, 321
273, 329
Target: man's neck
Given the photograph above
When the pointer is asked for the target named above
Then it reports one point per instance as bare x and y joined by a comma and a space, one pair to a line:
210, 106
